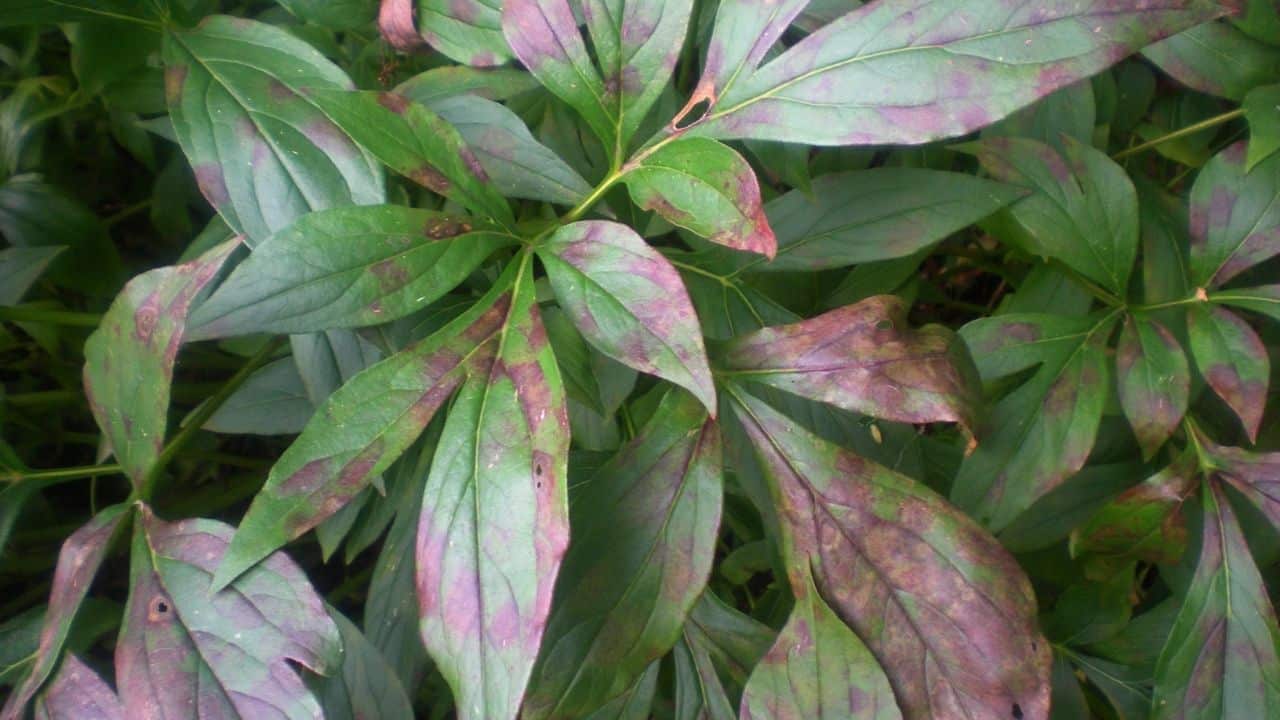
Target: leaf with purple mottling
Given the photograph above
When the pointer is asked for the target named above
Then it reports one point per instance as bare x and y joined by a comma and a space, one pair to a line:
224, 652
78, 561
817, 669
494, 524
1217, 58
1153, 379
467, 31
346, 267
1233, 361
1220, 661
719, 648
865, 358
914, 71
1255, 475
644, 532
129, 359
78, 693
628, 301
416, 143
706, 187
1235, 217
360, 430
263, 154
943, 607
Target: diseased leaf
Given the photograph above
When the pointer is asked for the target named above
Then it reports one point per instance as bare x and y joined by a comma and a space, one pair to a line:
20, 267
1233, 361
366, 686
644, 532
417, 143
185, 645
468, 31
78, 561
962, 66
1255, 475
1220, 660
78, 693
706, 187
1235, 219
1084, 209
129, 359
954, 628
628, 301
1153, 379
494, 523
865, 358
817, 669
1264, 300
360, 430
346, 267
263, 154
1216, 58
1144, 522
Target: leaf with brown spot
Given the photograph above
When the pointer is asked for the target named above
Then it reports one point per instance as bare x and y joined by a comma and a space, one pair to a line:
706, 187
944, 608
1234, 216
865, 358
346, 267
78, 693
1153, 379
495, 518
644, 536
1233, 361
467, 31
628, 301
129, 359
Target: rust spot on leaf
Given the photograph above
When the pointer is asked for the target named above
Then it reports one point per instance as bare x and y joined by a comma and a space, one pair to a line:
430, 178
394, 102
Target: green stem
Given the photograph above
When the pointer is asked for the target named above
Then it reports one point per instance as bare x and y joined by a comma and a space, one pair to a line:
613, 177
1192, 129
126, 213
1094, 289
52, 317
47, 397
1197, 298
68, 473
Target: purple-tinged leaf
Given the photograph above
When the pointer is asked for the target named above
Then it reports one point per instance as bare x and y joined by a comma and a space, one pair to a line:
744, 31
346, 267
1264, 300
262, 153
865, 358
628, 301
1233, 361
78, 561
644, 533
129, 359
1145, 522
1153, 379
1255, 475
1220, 660
706, 187
494, 524
78, 693
1235, 219
398, 23
944, 608
817, 669
714, 658
416, 143
223, 652
1083, 211
1217, 58
915, 71
360, 430
544, 35
467, 31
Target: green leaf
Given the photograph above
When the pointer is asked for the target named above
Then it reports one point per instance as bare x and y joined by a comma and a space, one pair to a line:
714, 658
417, 143
366, 685
76, 692
706, 187
1259, 18
1235, 219
865, 358
346, 267
494, 523
467, 31
35, 214
959, 66
1220, 660
20, 267
439, 83
644, 532
334, 14
1084, 209
1153, 379
818, 669
273, 401
263, 153
1217, 58
78, 561
628, 301
46, 12
945, 610
635, 703
360, 430
186, 645
1262, 108
129, 359
1264, 300
1041, 433
1233, 361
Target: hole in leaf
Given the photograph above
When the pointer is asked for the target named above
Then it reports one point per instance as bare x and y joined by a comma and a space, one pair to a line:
537, 470
693, 115
1017, 711
159, 608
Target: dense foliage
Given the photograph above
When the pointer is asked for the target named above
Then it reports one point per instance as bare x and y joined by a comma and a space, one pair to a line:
693, 360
